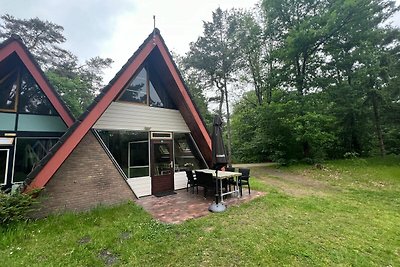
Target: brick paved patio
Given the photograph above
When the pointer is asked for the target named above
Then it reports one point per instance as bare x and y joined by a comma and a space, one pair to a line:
184, 205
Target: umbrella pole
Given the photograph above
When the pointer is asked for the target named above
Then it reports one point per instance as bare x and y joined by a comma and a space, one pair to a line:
217, 207
216, 186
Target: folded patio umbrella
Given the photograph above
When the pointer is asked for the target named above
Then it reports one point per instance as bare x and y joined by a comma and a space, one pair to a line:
219, 158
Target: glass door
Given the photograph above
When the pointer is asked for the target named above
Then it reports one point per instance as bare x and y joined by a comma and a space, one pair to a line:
162, 167
4, 159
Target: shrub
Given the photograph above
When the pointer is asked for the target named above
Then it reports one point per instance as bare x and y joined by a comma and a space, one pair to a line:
15, 207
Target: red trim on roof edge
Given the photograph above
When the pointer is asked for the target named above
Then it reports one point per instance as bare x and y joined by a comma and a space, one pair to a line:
73, 140
16, 47
182, 89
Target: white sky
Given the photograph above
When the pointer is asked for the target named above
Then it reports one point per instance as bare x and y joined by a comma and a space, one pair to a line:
116, 28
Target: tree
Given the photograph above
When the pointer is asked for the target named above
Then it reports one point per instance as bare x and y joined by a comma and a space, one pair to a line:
360, 66
304, 32
334, 77
196, 88
44, 39
214, 55
255, 54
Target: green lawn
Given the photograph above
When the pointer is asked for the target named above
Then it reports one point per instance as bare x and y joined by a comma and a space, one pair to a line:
354, 221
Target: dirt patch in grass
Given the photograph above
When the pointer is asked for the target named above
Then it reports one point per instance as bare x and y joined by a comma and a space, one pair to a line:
108, 257
292, 184
125, 235
84, 240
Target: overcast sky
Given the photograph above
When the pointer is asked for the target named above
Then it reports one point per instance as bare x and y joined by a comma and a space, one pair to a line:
116, 28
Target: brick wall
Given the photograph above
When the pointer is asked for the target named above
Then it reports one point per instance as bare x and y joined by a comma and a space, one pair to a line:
86, 179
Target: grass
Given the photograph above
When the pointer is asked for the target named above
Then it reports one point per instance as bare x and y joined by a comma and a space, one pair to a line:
356, 223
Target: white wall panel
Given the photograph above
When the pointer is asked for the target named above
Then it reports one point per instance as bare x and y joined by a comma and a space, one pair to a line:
180, 180
136, 117
140, 186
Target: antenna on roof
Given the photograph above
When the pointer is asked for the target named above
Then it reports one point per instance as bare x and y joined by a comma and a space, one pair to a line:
154, 28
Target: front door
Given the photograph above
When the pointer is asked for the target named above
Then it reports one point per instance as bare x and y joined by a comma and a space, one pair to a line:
4, 160
162, 166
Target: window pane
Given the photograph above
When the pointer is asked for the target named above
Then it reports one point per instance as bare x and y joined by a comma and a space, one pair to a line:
129, 149
158, 95
139, 153
136, 90
29, 152
186, 154
155, 100
162, 159
139, 172
8, 91
32, 99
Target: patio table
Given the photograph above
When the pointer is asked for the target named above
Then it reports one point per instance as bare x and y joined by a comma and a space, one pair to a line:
224, 175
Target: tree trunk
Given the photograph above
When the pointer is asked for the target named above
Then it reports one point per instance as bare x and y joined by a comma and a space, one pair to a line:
269, 84
377, 122
228, 124
220, 86
221, 102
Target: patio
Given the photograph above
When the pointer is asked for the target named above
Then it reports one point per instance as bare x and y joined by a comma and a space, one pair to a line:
184, 205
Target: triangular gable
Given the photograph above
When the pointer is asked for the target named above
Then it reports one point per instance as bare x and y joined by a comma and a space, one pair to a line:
15, 45
50, 164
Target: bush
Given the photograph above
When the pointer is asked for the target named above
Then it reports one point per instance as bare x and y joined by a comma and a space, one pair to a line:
15, 207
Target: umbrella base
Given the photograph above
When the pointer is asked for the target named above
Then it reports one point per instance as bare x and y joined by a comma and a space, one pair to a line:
214, 207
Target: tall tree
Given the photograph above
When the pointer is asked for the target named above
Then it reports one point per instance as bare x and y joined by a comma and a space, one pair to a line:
77, 83
215, 56
255, 53
196, 88
360, 66
42, 38
304, 29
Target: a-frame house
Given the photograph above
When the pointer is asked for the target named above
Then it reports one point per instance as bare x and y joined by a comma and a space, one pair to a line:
32, 115
134, 140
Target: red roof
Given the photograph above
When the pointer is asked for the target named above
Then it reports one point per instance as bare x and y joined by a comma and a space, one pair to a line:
75, 134
15, 45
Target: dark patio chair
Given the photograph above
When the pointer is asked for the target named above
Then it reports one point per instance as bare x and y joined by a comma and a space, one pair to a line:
191, 182
244, 179
206, 181
230, 169
230, 181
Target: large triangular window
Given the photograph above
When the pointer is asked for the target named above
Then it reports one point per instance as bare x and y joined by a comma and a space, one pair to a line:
136, 90
146, 89
20, 93
31, 98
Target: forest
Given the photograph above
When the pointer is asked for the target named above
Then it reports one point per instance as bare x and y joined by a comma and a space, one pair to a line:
294, 80
301, 80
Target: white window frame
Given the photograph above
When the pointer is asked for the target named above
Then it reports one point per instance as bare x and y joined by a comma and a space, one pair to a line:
137, 167
169, 137
7, 161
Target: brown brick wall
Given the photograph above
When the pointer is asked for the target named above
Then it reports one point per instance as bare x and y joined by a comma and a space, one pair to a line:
86, 179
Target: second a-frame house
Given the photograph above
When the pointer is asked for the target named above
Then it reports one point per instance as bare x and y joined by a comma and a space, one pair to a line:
32, 115
134, 140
